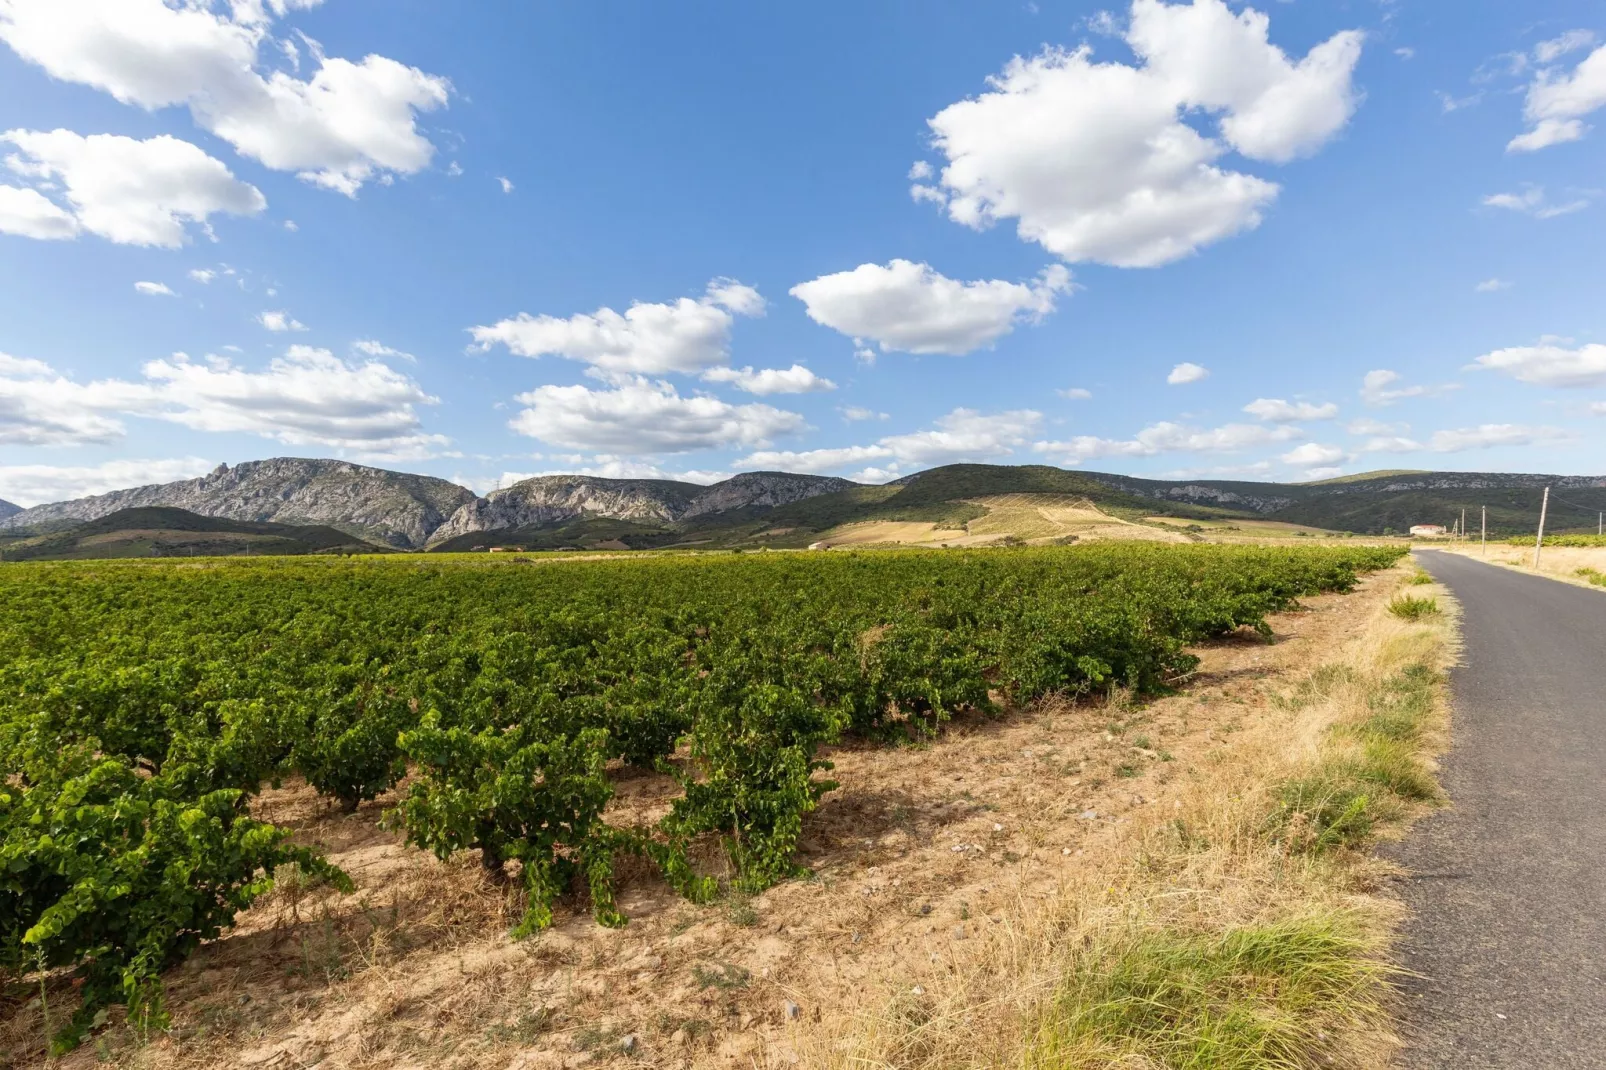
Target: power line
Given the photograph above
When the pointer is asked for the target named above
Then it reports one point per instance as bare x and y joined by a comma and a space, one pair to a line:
1576, 505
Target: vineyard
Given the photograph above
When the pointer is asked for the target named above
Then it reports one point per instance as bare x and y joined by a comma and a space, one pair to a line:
144, 706
1569, 541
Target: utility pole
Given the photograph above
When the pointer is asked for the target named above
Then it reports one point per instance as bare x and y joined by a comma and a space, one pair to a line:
1539, 542
1463, 522
1483, 531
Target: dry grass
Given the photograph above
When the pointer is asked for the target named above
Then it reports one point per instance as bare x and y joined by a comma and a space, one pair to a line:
1034, 518
1577, 565
1232, 927
965, 895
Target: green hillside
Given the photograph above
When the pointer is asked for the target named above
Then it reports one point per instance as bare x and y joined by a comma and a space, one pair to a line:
161, 531
1512, 510
1362, 477
943, 496
1377, 503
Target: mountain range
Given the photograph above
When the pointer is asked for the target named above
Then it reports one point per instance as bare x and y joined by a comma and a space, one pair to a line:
412, 512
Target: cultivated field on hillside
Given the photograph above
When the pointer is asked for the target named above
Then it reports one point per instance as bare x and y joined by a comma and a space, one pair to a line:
1037, 519
619, 731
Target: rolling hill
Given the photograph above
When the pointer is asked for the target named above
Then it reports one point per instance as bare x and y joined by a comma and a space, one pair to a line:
162, 531
1377, 503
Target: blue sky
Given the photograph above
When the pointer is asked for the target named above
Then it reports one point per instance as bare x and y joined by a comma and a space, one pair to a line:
1273, 242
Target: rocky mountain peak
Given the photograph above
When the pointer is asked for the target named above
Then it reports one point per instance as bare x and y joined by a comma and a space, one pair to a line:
395, 508
762, 489
544, 500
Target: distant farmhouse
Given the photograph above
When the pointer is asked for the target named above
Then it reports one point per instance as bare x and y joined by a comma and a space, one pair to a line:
1429, 531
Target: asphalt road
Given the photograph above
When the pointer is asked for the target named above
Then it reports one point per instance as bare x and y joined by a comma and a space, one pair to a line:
1507, 888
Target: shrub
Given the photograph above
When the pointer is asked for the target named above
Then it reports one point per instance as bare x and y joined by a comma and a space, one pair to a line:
1252, 996
516, 793
119, 875
1407, 607
1323, 811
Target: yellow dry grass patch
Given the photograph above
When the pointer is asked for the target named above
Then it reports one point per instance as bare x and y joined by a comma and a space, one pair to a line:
1035, 518
1557, 562
1246, 529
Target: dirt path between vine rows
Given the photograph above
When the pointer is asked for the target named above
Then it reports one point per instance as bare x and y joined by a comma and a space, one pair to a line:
919, 854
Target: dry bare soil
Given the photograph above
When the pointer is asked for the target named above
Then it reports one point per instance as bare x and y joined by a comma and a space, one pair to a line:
951, 878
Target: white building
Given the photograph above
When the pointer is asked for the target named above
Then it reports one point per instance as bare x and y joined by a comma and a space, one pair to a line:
1429, 531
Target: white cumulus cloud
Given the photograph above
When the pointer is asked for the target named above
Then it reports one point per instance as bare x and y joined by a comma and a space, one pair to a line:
1378, 388
1313, 455
155, 289
609, 467
686, 336
1457, 440
372, 347
1365, 425
40, 407
36, 484
1095, 161
280, 321
961, 435
911, 307
30, 214
1549, 364
1532, 201
1558, 100
1168, 437
346, 124
126, 191
1277, 410
636, 415
1486, 436
815, 462
1187, 372
794, 380
308, 397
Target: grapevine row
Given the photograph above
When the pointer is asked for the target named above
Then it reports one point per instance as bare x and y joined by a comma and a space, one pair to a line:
142, 706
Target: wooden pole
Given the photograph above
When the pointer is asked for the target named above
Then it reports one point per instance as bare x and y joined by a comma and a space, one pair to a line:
1483, 531
1539, 540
